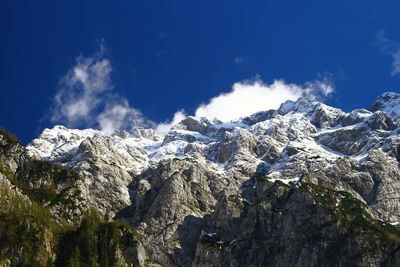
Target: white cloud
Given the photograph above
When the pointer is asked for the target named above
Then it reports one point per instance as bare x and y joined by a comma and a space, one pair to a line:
249, 97
391, 48
85, 98
165, 127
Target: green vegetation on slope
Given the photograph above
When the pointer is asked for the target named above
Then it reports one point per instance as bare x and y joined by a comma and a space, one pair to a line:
52, 185
353, 219
31, 236
26, 230
48, 185
38, 223
96, 242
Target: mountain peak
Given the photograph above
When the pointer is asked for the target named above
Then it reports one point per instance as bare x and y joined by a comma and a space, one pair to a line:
207, 189
388, 102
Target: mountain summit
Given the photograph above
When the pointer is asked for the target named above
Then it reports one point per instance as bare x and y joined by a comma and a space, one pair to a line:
303, 185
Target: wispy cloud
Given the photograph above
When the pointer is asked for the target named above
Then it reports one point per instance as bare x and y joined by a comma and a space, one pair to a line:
319, 88
249, 97
85, 98
240, 60
391, 48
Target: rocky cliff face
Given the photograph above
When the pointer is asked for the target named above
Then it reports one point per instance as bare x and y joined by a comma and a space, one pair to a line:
304, 185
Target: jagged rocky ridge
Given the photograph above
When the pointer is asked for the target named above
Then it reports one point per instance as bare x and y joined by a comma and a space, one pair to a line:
304, 185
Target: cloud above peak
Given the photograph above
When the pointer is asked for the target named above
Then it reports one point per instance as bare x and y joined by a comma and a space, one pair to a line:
120, 116
249, 97
81, 88
85, 98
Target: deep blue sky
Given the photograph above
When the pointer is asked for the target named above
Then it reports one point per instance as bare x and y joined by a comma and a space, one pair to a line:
168, 55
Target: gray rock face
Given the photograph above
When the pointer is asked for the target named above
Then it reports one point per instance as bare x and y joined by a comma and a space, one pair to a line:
287, 226
248, 192
107, 163
170, 203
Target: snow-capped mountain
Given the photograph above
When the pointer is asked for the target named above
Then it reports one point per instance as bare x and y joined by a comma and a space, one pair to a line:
177, 187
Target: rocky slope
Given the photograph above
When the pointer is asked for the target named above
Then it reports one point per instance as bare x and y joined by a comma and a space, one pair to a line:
304, 185
44, 220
